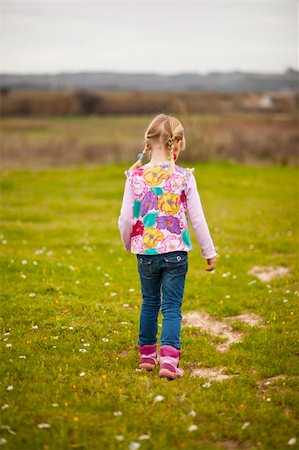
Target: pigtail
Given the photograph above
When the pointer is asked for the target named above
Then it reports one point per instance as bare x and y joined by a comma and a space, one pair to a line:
138, 163
171, 167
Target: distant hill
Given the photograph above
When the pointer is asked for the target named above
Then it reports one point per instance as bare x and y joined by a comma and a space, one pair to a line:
214, 81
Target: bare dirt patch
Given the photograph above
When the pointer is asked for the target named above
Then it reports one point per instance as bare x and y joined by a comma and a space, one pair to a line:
222, 329
229, 444
248, 318
270, 382
211, 374
268, 273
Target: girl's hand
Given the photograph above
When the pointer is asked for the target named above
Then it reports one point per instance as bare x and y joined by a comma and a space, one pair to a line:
211, 264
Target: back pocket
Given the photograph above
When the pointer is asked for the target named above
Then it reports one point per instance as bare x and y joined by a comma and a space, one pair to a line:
144, 265
177, 263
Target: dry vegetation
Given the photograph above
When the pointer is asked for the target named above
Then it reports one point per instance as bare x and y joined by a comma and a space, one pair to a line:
70, 141
53, 129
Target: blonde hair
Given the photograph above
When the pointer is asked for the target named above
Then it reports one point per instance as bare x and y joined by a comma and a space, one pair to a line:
167, 130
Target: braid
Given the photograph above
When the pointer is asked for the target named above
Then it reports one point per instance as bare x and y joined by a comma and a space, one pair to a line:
138, 163
170, 144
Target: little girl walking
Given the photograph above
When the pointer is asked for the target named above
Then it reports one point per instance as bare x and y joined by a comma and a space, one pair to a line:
158, 198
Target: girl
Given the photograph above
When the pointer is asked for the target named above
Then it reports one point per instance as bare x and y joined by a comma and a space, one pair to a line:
153, 225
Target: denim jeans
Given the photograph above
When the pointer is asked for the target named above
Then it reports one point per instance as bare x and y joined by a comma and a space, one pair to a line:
162, 280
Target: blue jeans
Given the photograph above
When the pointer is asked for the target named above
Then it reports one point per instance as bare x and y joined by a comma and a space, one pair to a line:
162, 280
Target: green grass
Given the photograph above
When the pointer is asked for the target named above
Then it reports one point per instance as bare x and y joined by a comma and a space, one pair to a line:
63, 223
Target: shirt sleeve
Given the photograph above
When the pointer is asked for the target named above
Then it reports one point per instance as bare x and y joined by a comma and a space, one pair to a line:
126, 218
198, 220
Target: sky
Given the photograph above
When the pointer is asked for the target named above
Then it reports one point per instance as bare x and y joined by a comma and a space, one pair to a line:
156, 36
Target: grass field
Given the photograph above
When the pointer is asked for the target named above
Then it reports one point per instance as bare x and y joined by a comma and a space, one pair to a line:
70, 300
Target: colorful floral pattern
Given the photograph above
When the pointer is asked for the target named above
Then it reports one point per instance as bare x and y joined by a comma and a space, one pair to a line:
152, 237
148, 202
174, 183
138, 229
169, 203
153, 176
160, 210
139, 187
169, 223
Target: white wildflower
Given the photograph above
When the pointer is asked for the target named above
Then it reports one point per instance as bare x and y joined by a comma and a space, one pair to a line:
192, 428
86, 345
226, 274
206, 384
8, 345
227, 296
3, 441
268, 399
71, 328
34, 327
9, 388
55, 405
35, 263
8, 429
24, 261
134, 445
131, 290
71, 267
292, 441
107, 283
119, 437
23, 276
105, 340
117, 413
82, 374
43, 425
245, 425
159, 398
113, 294
144, 437
192, 413
32, 294
5, 406
82, 350
106, 275
126, 305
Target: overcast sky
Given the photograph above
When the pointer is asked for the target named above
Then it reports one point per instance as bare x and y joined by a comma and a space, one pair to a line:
162, 36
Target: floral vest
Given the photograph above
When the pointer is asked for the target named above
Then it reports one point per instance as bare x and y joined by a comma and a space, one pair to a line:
160, 211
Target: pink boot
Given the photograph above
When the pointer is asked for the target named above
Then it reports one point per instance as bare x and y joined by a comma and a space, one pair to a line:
148, 356
169, 362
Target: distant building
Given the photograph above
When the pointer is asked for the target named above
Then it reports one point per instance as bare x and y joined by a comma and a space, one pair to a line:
275, 101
